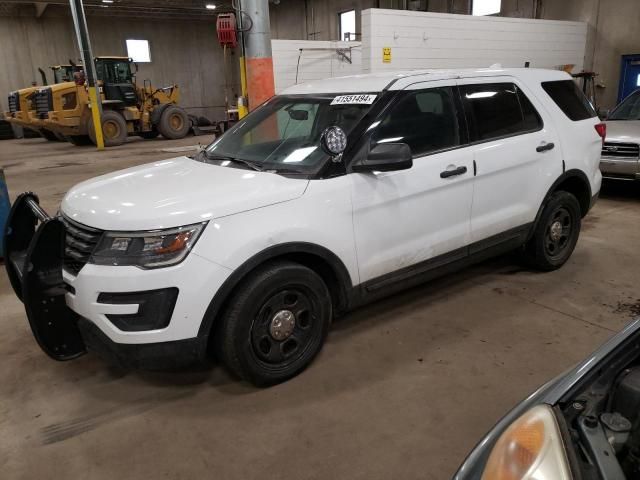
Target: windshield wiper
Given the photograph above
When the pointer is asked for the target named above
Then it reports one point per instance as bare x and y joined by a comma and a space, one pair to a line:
223, 158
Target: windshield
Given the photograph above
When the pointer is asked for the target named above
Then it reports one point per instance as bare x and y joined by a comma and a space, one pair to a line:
284, 133
63, 74
629, 109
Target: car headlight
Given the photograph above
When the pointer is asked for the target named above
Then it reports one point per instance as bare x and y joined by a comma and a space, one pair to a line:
154, 249
530, 449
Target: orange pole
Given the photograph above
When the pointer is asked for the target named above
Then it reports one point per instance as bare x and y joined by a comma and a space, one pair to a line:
260, 81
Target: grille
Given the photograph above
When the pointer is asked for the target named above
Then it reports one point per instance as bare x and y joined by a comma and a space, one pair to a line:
43, 102
14, 102
80, 242
621, 150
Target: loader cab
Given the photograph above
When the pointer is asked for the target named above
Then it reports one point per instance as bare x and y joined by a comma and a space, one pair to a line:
64, 73
117, 80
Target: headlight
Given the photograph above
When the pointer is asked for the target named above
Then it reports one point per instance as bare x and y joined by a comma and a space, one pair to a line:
69, 101
160, 248
530, 449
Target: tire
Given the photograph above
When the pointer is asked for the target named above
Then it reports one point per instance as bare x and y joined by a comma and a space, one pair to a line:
248, 339
150, 135
114, 129
49, 135
79, 140
174, 123
556, 233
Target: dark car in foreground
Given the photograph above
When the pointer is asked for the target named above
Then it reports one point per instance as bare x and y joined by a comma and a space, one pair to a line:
583, 425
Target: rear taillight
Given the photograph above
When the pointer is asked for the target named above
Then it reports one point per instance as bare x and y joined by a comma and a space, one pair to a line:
601, 128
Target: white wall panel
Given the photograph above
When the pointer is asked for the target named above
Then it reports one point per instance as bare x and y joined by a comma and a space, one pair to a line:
433, 40
314, 64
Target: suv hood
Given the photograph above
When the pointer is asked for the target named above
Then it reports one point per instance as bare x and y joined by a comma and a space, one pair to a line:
172, 193
623, 131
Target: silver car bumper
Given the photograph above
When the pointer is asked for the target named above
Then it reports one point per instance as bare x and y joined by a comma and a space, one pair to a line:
620, 169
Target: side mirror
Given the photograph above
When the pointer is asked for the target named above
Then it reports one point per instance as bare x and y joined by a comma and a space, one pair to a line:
386, 157
298, 114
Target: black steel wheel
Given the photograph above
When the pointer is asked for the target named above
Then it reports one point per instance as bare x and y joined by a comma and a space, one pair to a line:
275, 324
556, 233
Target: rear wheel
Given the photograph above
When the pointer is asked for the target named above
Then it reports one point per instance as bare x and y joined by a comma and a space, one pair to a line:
79, 140
174, 123
114, 129
556, 233
275, 324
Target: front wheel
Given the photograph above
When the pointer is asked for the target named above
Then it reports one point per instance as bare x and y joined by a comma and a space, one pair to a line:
275, 324
174, 123
114, 129
556, 233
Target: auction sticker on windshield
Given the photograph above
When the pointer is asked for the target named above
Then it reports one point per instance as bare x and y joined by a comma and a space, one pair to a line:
354, 100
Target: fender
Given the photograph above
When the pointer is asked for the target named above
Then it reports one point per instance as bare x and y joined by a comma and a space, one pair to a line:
285, 250
573, 173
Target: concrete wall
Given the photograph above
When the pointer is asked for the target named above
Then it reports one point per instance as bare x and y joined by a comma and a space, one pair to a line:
434, 40
185, 53
613, 32
288, 19
312, 63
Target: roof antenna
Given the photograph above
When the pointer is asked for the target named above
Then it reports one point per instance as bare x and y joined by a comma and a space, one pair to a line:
527, 64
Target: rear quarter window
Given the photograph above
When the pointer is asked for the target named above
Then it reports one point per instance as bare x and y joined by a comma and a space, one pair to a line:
498, 110
567, 95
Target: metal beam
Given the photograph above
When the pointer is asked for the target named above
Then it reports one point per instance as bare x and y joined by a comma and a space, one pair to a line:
82, 34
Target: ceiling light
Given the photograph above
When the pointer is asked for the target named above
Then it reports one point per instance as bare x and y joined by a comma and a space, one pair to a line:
210, 6
107, 1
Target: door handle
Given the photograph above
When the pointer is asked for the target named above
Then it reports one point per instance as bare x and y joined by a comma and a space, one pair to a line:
452, 173
545, 147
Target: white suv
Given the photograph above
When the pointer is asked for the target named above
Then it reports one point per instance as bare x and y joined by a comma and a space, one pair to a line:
329, 195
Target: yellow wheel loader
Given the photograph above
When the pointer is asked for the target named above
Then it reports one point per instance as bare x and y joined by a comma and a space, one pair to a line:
127, 108
22, 107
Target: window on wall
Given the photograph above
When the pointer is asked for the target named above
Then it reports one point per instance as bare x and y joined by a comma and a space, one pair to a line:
348, 25
486, 7
138, 50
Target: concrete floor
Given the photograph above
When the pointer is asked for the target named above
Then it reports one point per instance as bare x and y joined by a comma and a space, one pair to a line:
403, 388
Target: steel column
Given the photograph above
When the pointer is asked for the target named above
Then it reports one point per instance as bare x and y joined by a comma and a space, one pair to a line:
259, 63
82, 34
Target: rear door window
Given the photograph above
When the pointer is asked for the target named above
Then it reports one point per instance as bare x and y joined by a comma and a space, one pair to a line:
497, 110
570, 99
426, 120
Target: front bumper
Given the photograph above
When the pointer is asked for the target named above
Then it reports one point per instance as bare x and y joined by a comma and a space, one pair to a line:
70, 314
147, 356
66, 122
620, 169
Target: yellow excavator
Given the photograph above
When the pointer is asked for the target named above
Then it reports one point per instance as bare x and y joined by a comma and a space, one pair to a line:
127, 108
22, 107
